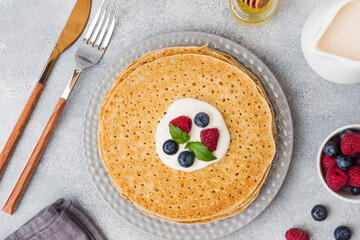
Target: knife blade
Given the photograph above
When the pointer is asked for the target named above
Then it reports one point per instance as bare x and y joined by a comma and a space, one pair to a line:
75, 25
71, 32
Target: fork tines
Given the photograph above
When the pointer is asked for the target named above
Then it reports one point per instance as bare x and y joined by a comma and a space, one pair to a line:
99, 33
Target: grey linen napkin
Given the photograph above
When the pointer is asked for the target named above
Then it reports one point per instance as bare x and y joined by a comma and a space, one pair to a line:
59, 221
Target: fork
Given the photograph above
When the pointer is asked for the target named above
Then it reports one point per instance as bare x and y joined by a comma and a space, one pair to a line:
88, 54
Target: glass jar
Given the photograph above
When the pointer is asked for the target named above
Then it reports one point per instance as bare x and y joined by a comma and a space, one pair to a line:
252, 16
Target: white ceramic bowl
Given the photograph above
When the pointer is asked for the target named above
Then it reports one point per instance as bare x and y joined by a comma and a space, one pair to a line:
343, 194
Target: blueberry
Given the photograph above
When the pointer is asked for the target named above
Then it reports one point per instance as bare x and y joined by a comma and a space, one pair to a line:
355, 190
186, 159
344, 132
342, 233
202, 119
332, 149
344, 162
170, 147
319, 213
358, 132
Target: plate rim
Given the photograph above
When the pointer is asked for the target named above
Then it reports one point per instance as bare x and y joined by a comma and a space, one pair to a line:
204, 34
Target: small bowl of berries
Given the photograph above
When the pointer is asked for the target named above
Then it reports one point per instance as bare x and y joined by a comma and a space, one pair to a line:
338, 163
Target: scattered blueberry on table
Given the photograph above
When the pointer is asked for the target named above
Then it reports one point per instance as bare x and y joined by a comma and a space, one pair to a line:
342, 233
319, 213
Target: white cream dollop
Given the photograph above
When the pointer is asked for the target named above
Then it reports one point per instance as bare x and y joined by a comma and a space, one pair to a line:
190, 107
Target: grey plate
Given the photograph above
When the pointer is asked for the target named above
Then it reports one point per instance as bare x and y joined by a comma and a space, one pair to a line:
166, 229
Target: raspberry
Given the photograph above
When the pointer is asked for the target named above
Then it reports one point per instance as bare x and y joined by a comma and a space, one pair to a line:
182, 122
354, 176
296, 234
336, 178
209, 137
327, 162
350, 144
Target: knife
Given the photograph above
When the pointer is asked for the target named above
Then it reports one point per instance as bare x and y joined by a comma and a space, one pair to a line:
71, 32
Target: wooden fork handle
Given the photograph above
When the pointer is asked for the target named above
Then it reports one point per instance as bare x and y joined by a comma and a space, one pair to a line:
24, 117
29, 168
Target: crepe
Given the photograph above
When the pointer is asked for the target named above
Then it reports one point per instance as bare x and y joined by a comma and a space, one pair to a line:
127, 127
199, 50
205, 51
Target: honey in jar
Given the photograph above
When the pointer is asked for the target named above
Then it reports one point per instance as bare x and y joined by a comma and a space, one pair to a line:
250, 15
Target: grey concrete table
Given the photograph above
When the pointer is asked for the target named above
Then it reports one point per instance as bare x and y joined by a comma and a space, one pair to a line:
28, 31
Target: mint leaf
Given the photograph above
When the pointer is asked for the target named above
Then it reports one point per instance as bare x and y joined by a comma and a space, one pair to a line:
200, 151
178, 135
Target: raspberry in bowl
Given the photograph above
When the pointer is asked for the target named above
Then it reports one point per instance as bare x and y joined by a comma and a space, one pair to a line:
338, 163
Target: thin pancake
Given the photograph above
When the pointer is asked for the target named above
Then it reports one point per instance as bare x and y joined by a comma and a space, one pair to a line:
246, 112
165, 51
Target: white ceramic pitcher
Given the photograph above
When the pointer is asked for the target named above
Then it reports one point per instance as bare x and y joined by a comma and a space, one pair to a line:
332, 67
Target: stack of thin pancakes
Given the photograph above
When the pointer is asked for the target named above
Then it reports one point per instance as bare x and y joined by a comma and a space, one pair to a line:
137, 101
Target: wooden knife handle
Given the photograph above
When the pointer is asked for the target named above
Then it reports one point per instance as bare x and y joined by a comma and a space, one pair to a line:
29, 168
19, 127
24, 117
